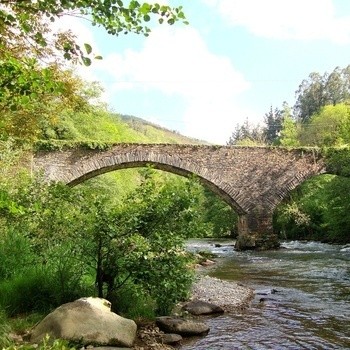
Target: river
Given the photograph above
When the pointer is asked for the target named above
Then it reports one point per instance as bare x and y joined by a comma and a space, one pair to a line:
302, 297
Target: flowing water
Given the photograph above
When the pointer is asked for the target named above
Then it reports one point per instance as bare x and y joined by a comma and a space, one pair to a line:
302, 298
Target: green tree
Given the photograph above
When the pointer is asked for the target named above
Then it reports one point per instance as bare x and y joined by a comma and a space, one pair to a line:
335, 91
273, 120
320, 90
310, 96
329, 127
33, 98
289, 136
247, 134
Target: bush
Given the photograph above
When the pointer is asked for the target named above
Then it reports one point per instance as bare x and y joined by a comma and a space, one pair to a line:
132, 302
15, 253
37, 290
29, 291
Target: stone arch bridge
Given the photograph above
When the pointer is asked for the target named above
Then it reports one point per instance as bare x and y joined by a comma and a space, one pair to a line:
252, 180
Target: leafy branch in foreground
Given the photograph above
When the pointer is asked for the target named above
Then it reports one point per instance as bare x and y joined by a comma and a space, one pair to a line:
28, 23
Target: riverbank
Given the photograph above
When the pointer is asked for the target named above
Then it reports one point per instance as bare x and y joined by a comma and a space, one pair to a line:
230, 296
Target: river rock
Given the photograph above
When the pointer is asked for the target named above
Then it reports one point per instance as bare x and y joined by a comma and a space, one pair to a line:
266, 291
207, 262
170, 338
199, 307
181, 326
87, 321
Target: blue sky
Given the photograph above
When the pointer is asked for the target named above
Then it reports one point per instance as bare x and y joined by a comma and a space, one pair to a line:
234, 60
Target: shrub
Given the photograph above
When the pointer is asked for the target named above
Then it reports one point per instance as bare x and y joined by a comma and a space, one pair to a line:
132, 302
37, 290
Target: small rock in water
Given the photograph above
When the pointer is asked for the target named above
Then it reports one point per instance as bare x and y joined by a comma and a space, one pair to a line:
181, 326
266, 291
199, 307
171, 338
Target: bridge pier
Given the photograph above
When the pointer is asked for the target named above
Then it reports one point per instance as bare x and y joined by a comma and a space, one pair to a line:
255, 232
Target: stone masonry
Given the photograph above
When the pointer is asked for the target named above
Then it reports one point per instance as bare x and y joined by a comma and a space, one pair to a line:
252, 180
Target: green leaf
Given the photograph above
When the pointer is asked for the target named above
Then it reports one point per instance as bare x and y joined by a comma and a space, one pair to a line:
86, 61
146, 18
88, 48
145, 8
25, 99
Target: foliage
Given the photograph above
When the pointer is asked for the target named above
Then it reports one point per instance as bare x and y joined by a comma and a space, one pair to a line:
321, 115
34, 89
21, 323
336, 218
70, 239
329, 127
317, 210
132, 301
338, 160
289, 136
4, 329
12, 246
31, 21
310, 96
39, 290
33, 98
273, 120
321, 90
141, 240
220, 217
37, 223
46, 344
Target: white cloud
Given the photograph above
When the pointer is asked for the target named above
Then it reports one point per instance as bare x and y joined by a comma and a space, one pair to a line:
287, 19
177, 62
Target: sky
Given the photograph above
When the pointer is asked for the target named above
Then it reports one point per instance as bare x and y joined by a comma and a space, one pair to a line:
235, 60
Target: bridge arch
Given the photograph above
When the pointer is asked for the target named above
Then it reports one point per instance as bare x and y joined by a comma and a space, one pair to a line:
217, 187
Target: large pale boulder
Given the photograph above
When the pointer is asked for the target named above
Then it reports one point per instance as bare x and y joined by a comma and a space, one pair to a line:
87, 321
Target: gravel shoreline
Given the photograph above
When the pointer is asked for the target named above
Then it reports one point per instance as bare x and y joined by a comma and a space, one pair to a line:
230, 296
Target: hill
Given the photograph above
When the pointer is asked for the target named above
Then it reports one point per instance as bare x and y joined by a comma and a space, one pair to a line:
104, 126
158, 133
